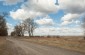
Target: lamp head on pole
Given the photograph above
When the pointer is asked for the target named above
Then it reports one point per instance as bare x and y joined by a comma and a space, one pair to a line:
56, 2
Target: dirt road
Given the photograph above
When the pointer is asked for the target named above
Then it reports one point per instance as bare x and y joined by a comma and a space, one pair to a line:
19, 47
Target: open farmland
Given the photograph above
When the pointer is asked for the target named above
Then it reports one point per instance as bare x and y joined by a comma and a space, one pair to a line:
38, 46
42, 27
72, 43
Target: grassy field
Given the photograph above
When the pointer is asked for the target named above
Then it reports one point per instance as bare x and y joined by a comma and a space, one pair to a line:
71, 43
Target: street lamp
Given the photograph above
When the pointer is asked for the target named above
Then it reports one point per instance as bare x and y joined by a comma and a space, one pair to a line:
56, 2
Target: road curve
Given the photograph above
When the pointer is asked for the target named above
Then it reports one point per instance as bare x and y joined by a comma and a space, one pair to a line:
27, 48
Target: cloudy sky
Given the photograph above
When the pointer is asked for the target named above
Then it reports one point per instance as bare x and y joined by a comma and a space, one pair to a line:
62, 17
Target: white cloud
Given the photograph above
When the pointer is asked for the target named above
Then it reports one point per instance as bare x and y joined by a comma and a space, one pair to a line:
45, 21
12, 2
24, 14
65, 23
33, 9
69, 18
72, 6
77, 22
44, 6
58, 31
74, 9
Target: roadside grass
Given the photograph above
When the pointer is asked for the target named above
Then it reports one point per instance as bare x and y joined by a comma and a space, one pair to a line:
2, 45
71, 43
8, 48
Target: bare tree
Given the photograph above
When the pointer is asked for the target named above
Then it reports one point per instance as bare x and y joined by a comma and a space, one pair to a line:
30, 25
18, 30
13, 33
3, 26
21, 25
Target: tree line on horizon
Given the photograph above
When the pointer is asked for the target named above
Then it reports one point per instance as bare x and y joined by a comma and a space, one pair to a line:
27, 25
3, 26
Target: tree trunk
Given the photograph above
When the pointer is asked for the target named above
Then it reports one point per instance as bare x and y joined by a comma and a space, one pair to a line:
29, 33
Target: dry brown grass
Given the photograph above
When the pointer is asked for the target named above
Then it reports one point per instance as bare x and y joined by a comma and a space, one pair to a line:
2, 45
72, 43
6, 47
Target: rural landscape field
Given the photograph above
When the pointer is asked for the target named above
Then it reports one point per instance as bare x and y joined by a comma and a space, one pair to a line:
42, 27
72, 43
42, 46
